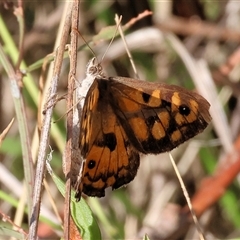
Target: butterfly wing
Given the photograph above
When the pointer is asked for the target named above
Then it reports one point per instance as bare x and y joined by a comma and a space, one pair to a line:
122, 116
110, 158
157, 117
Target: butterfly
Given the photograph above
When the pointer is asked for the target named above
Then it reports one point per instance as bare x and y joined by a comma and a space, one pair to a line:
123, 117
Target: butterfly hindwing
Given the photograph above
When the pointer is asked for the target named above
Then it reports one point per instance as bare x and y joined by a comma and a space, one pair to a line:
157, 117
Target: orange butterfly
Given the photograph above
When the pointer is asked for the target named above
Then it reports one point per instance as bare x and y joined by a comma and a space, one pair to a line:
122, 117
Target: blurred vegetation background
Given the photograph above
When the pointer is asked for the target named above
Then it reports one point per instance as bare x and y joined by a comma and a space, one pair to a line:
194, 44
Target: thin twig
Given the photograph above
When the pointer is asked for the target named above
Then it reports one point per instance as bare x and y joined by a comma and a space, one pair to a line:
71, 87
197, 27
118, 20
5, 131
18, 11
46, 129
200, 234
6, 218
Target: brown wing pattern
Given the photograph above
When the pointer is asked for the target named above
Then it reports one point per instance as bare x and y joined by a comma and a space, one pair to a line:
122, 116
111, 160
157, 117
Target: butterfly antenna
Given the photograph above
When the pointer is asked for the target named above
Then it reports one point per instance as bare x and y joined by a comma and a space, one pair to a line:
115, 33
91, 50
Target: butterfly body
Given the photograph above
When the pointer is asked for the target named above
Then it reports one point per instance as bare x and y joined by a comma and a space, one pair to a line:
122, 117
